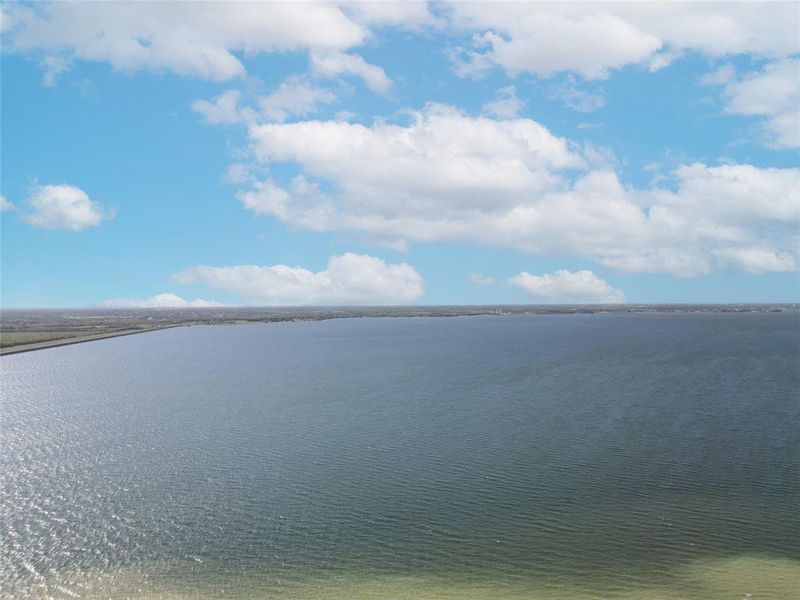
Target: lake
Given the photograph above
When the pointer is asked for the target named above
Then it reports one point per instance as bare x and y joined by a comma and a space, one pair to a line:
622, 456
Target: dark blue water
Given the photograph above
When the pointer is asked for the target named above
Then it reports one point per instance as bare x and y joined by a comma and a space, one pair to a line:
577, 456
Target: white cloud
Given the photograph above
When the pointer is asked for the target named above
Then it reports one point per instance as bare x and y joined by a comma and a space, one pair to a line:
5, 204
206, 40
506, 105
295, 96
209, 40
772, 93
592, 39
479, 279
470, 63
165, 300
222, 110
724, 74
757, 260
407, 13
53, 66
349, 279
63, 207
463, 162
238, 173
576, 97
596, 44
511, 183
7, 19
599, 157
267, 198
567, 287
740, 195
336, 64
663, 59
183, 37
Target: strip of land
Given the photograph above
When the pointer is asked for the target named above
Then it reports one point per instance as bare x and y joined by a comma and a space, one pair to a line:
27, 330
79, 339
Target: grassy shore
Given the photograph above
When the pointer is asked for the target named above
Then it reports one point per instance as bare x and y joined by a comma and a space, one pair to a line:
67, 340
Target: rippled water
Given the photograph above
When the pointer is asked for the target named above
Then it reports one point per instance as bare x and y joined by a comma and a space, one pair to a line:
580, 456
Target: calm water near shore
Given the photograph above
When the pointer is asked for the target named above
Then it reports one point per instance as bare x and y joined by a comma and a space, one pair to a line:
627, 456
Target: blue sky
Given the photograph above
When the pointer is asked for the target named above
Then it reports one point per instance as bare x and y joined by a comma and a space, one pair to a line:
392, 153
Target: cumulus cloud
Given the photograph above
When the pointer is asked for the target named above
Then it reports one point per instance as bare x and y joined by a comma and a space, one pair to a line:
598, 43
460, 161
506, 105
208, 40
772, 93
63, 207
294, 97
757, 260
567, 287
512, 183
165, 300
348, 279
738, 195
268, 198
5, 204
411, 14
479, 279
336, 64
222, 110
594, 39
182, 37
470, 63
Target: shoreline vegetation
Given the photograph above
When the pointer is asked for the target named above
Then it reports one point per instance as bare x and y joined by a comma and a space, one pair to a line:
23, 330
58, 340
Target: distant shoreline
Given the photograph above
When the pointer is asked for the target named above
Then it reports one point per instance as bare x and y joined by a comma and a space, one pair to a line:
121, 322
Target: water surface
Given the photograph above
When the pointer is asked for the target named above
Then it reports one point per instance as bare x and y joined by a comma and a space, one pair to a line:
580, 456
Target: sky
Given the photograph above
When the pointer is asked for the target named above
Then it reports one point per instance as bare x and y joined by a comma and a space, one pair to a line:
333, 153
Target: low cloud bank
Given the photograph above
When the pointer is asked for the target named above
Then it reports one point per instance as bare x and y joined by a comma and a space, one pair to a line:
165, 300
567, 287
354, 279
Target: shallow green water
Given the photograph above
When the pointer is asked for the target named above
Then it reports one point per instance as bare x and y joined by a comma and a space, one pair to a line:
581, 456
